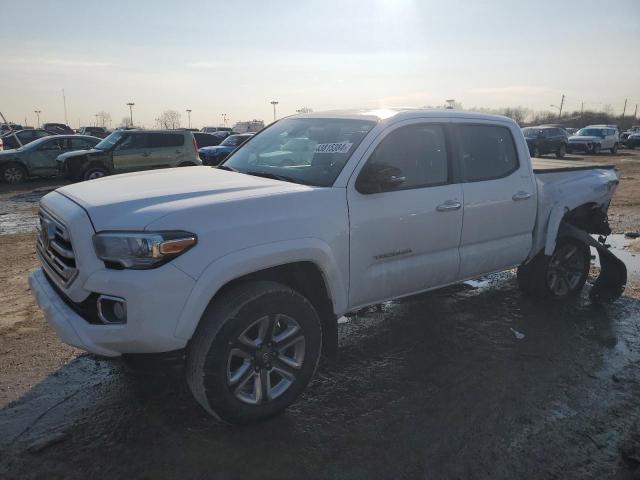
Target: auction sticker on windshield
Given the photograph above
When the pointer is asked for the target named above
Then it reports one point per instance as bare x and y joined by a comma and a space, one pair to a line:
341, 147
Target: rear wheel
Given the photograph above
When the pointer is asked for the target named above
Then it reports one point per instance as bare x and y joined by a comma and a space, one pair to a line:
254, 353
535, 153
561, 275
596, 149
13, 173
614, 150
562, 151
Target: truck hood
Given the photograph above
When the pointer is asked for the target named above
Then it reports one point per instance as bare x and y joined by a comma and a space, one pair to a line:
134, 200
583, 138
78, 153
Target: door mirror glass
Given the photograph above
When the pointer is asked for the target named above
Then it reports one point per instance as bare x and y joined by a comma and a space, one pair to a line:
376, 178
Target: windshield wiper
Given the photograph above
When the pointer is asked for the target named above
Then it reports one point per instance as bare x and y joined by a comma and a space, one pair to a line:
275, 176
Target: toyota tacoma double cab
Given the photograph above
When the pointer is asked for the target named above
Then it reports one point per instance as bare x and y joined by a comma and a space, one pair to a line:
242, 271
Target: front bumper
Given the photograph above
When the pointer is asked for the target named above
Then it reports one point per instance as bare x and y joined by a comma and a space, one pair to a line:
154, 305
580, 146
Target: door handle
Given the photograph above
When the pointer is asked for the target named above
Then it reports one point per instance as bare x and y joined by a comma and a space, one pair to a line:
448, 206
521, 196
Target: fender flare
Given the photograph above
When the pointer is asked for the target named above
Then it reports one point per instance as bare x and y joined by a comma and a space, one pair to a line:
254, 259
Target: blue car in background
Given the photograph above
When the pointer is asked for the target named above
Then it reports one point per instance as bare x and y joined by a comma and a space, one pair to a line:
213, 156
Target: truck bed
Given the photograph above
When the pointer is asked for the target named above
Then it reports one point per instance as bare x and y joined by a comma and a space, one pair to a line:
543, 165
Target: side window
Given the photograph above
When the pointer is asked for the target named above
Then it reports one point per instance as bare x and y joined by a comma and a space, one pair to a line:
133, 141
409, 157
51, 145
80, 144
488, 152
159, 140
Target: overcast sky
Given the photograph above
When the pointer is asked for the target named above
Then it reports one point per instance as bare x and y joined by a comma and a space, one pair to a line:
234, 57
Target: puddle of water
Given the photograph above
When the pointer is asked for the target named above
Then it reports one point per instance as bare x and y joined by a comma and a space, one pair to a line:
620, 248
23, 222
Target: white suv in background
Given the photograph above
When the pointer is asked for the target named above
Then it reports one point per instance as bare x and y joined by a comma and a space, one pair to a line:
594, 138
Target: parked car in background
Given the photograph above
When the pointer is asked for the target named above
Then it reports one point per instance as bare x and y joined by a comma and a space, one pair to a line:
633, 140
214, 155
206, 139
543, 140
38, 158
215, 129
58, 128
129, 151
24, 137
633, 130
593, 139
243, 271
99, 132
8, 127
570, 130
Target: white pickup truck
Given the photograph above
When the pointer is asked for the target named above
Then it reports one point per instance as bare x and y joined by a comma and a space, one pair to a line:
243, 270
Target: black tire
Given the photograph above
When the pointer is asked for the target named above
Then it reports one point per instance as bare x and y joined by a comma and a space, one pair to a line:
13, 173
536, 277
562, 151
214, 351
187, 164
94, 171
614, 150
596, 149
535, 152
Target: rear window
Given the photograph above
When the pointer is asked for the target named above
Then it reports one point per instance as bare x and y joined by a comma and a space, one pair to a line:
159, 140
488, 152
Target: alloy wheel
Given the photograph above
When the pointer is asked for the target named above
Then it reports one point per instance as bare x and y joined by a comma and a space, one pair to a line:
13, 175
264, 360
565, 270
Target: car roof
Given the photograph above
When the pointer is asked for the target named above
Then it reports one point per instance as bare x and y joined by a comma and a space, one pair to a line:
397, 114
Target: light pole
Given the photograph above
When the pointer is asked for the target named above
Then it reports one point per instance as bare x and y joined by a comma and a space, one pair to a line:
189, 115
130, 105
38, 112
274, 103
224, 119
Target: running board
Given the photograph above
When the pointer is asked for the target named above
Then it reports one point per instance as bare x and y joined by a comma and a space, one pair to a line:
610, 284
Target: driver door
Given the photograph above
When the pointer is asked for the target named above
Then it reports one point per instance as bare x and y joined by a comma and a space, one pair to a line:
405, 226
131, 153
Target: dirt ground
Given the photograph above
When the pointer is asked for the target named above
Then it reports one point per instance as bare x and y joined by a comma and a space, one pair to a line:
470, 382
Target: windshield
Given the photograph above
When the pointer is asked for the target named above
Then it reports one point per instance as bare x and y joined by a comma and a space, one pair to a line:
311, 151
234, 140
531, 132
108, 142
589, 132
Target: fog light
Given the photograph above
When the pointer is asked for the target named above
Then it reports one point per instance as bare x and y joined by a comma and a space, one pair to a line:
112, 310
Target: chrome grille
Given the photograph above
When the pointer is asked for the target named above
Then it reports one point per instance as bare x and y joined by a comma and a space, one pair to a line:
55, 249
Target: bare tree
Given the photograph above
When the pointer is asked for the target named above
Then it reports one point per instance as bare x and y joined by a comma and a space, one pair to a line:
169, 119
104, 119
517, 114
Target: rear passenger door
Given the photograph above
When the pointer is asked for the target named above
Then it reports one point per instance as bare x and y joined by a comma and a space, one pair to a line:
404, 234
499, 200
165, 149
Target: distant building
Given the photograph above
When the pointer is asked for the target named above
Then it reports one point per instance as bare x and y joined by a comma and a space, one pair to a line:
250, 126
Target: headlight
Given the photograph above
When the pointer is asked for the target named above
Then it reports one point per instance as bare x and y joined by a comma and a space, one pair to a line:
141, 250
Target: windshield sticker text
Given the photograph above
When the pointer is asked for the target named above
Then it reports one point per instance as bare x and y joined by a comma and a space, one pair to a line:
341, 147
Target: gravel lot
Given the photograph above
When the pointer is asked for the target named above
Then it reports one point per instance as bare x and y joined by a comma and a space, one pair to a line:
475, 381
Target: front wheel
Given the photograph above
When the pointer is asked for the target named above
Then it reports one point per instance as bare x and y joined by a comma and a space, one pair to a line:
614, 149
596, 149
561, 275
254, 352
535, 153
95, 171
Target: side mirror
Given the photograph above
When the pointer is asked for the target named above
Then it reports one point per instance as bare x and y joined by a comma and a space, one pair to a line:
379, 178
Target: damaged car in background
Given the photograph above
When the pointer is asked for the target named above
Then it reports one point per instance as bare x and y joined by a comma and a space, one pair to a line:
240, 272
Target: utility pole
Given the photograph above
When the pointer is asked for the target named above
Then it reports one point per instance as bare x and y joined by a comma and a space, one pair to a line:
189, 115
636, 112
97, 119
224, 119
624, 110
561, 105
581, 109
38, 112
130, 105
64, 102
274, 103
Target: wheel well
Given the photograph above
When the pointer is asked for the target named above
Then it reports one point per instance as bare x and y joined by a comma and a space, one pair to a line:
16, 162
307, 279
590, 217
